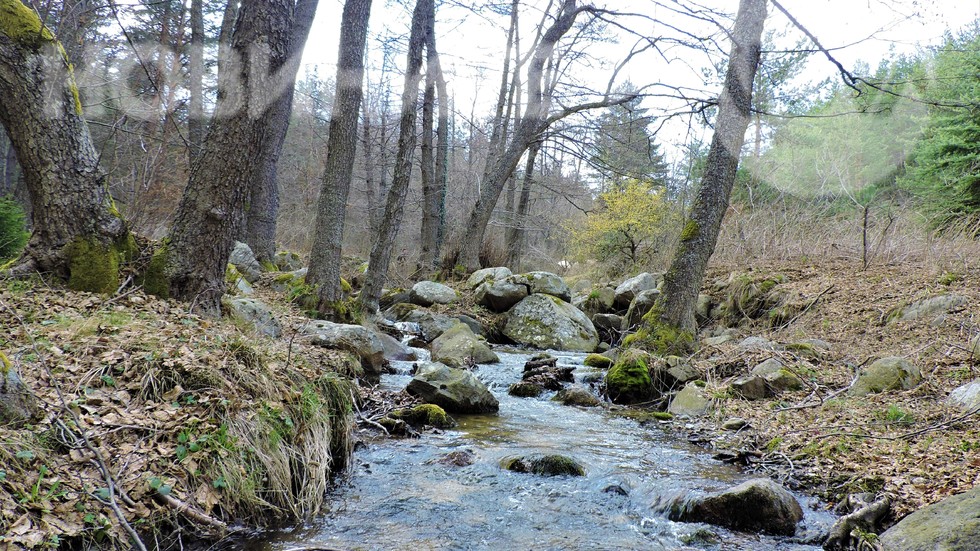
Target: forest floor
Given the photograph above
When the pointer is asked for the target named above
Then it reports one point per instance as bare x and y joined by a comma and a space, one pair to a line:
909, 444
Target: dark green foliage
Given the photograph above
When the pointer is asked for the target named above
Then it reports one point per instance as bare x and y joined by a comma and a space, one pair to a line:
13, 228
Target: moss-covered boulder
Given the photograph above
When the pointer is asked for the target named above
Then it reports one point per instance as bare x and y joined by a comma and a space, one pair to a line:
777, 376
460, 347
953, 524
499, 295
356, 339
544, 465
287, 261
425, 415
598, 301
427, 293
928, 309
487, 274
525, 389
577, 395
256, 314
598, 361
545, 321
455, 390
758, 505
549, 284
628, 381
892, 373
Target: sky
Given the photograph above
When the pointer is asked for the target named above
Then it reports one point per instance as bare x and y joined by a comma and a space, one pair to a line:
471, 44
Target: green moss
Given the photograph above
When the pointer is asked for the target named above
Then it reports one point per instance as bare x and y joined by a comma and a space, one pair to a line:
74, 93
21, 24
691, 231
628, 380
268, 266
597, 360
154, 280
92, 266
5, 365
524, 389
425, 414
544, 465
661, 338
345, 286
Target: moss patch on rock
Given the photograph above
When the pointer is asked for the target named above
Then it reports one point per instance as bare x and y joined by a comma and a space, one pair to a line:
628, 380
544, 465
598, 361
661, 338
425, 414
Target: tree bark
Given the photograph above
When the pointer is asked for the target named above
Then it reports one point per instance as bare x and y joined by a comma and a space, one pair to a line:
260, 233
370, 182
211, 211
518, 235
380, 260
676, 305
328, 235
434, 167
77, 234
195, 109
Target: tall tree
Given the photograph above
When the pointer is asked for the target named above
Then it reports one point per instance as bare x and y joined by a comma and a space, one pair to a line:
380, 258
324, 270
434, 166
212, 209
78, 234
670, 324
624, 149
260, 232
195, 69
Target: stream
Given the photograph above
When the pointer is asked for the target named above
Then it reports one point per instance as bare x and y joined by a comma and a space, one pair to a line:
398, 497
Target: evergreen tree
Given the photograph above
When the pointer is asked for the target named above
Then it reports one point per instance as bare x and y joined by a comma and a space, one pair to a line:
624, 149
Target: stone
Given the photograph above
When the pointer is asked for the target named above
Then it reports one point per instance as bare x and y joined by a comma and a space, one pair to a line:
473, 324
717, 340
755, 343
237, 282
597, 360
544, 465
928, 308
427, 293
403, 311
608, 322
287, 261
751, 387
690, 401
545, 321
525, 389
391, 297
735, 423
17, 403
431, 325
627, 290
577, 395
256, 314
702, 309
777, 376
395, 350
628, 381
892, 373
680, 370
966, 397
460, 347
599, 301
758, 505
641, 304
285, 281
501, 295
454, 390
243, 259
487, 274
356, 339
425, 415
549, 284
952, 524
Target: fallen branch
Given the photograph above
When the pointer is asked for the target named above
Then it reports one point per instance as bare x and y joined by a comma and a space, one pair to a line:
846, 532
805, 308
190, 512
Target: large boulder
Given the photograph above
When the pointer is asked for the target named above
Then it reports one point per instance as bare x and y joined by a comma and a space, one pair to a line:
549, 284
454, 390
545, 321
627, 290
427, 293
500, 295
890, 373
928, 308
758, 505
751, 387
395, 350
460, 347
777, 376
244, 260
966, 397
598, 301
952, 524
691, 401
356, 339
256, 314
487, 274
640, 305
431, 325
17, 402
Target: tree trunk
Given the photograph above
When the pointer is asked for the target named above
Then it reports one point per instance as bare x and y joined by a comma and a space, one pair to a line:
532, 124
674, 310
442, 159
78, 235
328, 235
517, 239
260, 232
195, 109
370, 182
212, 208
380, 259
434, 168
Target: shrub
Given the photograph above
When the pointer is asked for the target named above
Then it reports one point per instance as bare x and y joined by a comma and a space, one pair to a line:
13, 228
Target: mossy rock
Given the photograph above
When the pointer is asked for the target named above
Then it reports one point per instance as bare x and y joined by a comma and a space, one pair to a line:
661, 338
598, 361
524, 389
425, 414
628, 380
544, 465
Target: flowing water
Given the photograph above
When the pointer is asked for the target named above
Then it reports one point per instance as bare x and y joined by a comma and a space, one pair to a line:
399, 497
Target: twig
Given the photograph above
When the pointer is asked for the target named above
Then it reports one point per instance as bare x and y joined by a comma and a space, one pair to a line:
805, 308
362, 417
188, 511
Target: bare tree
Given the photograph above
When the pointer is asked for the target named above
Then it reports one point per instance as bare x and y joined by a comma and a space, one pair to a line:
324, 270
434, 167
670, 325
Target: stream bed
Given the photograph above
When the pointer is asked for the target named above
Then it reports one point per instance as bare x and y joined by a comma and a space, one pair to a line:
398, 496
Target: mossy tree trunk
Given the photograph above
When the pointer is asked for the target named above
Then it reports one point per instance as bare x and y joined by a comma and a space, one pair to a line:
77, 233
211, 212
260, 233
377, 274
673, 313
328, 234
